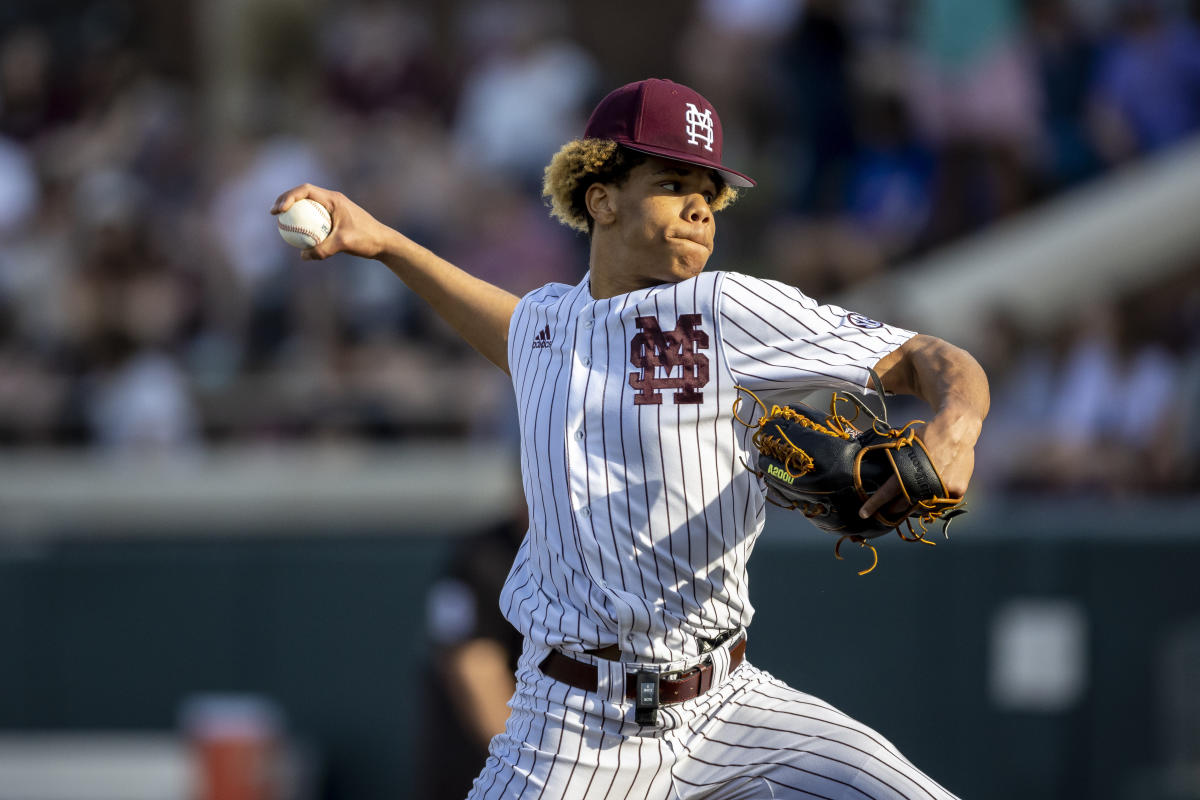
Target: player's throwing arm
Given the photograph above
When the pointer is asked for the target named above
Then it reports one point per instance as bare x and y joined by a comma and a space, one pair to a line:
479, 311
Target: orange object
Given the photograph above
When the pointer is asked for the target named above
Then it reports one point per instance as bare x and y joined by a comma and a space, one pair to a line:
235, 745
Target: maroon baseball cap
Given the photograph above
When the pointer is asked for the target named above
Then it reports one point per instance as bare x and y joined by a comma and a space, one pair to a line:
665, 119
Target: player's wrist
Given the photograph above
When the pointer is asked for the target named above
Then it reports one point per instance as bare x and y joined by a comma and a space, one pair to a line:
389, 245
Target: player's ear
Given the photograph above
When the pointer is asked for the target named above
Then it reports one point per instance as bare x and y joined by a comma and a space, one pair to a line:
600, 201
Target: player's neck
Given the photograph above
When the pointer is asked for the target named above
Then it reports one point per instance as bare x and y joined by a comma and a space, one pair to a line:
614, 271
603, 284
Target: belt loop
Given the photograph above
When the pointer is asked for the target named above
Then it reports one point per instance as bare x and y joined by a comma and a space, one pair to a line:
610, 680
720, 662
707, 678
603, 678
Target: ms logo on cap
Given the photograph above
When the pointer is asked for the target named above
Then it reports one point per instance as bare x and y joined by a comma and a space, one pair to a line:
699, 126
645, 116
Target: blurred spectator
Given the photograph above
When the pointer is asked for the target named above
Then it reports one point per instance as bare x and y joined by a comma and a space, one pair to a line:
1163, 404
1064, 58
19, 187
1113, 404
514, 243
889, 197
141, 407
1186, 445
972, 80
127, 307
820, 257
31, 101
1147, 83
816, 113
1021, 369
527, 96
974, 95
1097, 412
33, 395
382, 56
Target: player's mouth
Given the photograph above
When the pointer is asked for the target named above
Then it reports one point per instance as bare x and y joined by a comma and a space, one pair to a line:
693, 239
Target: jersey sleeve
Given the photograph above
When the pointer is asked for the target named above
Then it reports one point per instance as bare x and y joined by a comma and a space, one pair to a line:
776, 337
522, 317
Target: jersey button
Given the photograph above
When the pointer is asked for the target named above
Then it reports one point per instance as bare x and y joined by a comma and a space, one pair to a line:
587, 361
579, 434
585, 512
587, 324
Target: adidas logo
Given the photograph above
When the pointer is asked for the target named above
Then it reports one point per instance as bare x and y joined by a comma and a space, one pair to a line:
542, 339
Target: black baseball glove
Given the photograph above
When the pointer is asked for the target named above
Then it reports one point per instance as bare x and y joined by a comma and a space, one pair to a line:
823, 466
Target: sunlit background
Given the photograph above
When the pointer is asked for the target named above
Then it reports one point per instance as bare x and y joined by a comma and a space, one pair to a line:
233, 484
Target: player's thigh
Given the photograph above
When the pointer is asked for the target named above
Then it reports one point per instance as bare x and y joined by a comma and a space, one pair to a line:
767, 734
551, 750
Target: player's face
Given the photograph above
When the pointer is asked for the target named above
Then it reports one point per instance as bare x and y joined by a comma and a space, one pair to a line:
664, 220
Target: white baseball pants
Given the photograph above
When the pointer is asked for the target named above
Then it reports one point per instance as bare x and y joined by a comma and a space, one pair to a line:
750, 736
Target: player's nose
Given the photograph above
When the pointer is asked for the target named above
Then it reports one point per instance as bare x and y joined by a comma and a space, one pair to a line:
697, 209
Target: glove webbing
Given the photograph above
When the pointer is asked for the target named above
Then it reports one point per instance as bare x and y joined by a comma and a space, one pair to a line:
783, 449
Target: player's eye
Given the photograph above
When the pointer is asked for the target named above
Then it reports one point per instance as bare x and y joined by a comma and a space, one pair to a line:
709, 197
672, 186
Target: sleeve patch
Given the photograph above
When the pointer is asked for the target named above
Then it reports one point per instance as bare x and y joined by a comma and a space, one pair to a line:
860, 321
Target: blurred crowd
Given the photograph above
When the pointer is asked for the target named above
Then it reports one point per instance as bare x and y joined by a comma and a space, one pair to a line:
147, 304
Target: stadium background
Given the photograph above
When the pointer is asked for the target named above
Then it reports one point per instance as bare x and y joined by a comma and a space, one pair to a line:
228, 475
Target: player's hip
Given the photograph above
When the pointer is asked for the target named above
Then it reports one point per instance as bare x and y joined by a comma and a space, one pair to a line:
633, 699
749, 730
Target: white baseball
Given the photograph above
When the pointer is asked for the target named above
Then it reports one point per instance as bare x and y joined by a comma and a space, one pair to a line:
305, 224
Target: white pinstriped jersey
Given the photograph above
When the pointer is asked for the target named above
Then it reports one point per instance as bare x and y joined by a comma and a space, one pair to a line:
642, 513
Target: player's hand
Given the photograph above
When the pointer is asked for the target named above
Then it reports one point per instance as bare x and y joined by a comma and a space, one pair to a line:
950, 439
354, 230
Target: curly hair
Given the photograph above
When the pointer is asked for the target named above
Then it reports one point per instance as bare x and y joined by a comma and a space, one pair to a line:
581, 163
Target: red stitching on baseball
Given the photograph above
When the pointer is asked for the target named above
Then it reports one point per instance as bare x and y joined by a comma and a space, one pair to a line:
295, 229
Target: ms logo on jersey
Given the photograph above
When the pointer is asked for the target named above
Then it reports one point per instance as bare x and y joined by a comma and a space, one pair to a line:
699, 126
655, 348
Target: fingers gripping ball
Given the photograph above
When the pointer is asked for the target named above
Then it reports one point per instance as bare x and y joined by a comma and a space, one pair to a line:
305, 224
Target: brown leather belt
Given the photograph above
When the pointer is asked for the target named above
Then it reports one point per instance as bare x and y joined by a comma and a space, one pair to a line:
688, 685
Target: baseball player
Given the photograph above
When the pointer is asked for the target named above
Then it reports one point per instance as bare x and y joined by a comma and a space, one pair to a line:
630, 587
